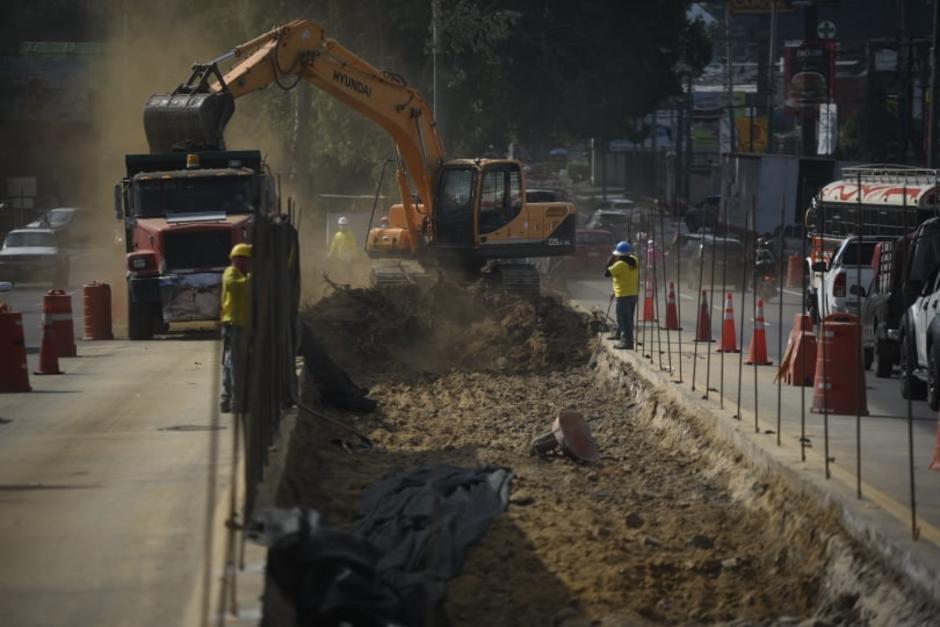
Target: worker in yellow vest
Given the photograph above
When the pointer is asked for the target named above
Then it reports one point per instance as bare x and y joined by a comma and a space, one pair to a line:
624, 268
343, 247
236, 322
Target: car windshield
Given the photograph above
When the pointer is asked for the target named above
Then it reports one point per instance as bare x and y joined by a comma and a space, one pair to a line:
852, 257
594, 239
19, 239
160, 197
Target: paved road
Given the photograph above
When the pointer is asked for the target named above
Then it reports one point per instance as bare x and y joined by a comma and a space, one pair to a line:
885, 468
103, 483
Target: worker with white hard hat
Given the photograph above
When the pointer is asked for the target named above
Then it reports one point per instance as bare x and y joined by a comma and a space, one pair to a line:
343, 247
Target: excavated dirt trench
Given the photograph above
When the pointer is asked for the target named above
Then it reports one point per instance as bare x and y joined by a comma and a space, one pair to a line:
670, 527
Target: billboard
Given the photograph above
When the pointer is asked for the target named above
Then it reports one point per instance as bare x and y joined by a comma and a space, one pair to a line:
809, 68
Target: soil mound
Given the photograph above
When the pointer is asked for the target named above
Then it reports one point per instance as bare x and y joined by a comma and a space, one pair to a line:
448, 326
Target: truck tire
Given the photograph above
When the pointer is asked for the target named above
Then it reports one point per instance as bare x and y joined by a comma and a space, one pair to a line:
911, 387
139, 320
883, 365
933, 378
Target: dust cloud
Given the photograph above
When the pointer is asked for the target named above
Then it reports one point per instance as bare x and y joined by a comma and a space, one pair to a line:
151, 52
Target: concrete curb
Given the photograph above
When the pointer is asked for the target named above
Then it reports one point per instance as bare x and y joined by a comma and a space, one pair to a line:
865, 520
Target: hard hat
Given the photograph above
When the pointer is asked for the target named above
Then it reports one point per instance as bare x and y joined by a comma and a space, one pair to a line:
622, 249
343, 221
241, 250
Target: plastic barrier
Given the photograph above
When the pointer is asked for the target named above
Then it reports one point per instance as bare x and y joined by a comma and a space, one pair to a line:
57, 309
14, 373
839, 386
97, 303
729, 341
48, 353
757, 353
703, 330
794, 271
672, 311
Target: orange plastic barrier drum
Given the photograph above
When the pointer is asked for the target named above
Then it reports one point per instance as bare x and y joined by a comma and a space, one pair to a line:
97, 300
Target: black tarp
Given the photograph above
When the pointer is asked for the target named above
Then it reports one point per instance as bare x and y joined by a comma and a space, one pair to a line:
413, 536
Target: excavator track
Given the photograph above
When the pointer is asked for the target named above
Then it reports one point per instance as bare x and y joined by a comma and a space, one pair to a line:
516, 278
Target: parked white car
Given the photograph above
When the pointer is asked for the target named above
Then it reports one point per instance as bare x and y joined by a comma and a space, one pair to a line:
33, 255
838, 287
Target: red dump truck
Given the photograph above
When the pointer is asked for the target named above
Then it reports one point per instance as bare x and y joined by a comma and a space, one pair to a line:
182, 213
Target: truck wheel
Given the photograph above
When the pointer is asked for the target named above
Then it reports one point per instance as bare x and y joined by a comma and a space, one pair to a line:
933, 378
883, 365
911, 387
139, 320
869, 357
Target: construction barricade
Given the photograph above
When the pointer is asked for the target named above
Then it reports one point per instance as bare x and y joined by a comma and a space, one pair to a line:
729, 340
839, 386
703, 328
97, 306
757, 353
794, 271
672, 311
57, 310
798, 364
14, 373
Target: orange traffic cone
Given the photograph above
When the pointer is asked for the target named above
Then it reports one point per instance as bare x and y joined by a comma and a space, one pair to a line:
48, 352
672, 312
757, 353
729, 341
703, 330
649, 313
935, 464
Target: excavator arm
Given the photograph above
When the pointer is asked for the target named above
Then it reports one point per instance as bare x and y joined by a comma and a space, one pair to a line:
196, 113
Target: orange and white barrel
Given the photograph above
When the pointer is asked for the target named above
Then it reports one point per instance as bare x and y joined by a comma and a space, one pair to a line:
97, 301
14, 373
57, 310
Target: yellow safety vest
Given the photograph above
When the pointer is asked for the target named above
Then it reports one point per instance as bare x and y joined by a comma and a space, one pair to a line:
626, 279
236, 298
343, 246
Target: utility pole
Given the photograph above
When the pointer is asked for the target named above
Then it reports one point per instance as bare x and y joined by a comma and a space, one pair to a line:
771, 76
732, 145
934, 109
808, 112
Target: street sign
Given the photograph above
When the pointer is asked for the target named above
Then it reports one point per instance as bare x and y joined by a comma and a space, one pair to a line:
826, 29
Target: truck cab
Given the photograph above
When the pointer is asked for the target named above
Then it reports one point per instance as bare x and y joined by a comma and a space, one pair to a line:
182, 214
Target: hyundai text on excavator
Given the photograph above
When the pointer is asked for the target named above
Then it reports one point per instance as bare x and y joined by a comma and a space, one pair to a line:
467, 214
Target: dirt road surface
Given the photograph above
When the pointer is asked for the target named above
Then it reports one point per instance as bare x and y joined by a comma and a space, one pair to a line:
669, 528
103, 486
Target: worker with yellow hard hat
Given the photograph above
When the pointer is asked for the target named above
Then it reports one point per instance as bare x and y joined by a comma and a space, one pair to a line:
236, 320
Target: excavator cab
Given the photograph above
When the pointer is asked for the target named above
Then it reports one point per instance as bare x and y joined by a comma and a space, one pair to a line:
192, 117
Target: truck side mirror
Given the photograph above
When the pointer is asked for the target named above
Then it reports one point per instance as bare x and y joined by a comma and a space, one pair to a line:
118, 201
819, 266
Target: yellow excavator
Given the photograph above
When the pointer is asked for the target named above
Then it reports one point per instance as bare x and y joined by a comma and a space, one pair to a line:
469, 214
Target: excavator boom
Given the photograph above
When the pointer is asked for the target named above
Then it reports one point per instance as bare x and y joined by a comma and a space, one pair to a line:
195, 114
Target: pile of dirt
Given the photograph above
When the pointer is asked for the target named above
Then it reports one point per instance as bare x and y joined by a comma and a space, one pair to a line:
447, 326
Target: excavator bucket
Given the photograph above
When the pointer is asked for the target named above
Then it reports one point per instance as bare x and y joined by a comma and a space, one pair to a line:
192, 117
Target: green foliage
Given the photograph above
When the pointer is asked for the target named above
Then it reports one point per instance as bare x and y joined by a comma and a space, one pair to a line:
529, 71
